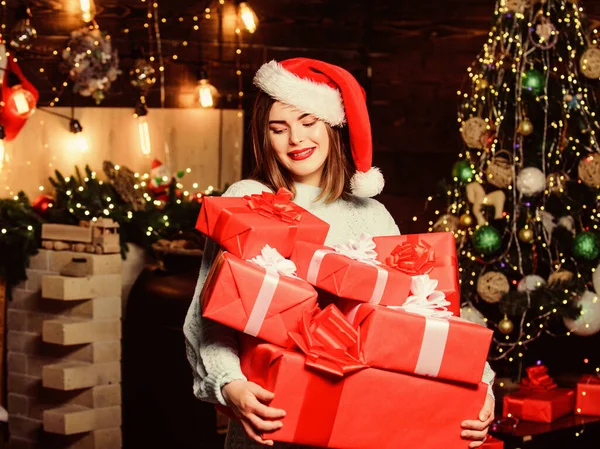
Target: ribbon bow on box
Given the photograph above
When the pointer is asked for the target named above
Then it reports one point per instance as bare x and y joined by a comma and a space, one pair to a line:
425, 299
275, 205
329, 342
362, 249
270, 259
412, 258
537, 379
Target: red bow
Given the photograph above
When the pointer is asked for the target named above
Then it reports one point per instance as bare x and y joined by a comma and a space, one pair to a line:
275, 205
412, 258
329, 341
537, 379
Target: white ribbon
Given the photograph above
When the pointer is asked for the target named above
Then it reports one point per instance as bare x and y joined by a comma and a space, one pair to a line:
430, 303
274, 264
363, 251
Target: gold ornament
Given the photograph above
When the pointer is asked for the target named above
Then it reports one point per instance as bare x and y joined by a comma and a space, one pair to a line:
474, 131
526, 235
560, 277
589, 170
446, 223
484, 84
555, 182
589, 63
525, 127
500, 170
492, 286
505, 325
466, 220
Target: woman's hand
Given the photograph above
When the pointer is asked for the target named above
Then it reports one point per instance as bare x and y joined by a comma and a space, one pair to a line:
248, 400
477, 429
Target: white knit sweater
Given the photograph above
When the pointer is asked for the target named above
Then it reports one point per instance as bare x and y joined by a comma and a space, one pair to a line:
211, 347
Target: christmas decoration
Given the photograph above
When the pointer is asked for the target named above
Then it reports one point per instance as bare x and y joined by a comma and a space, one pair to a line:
486, 240
533, 81
161, 179
466, 220
585, 246
506, 326
142, 75
126, 184
516, 5
526, 234
492, 286
500, 170
473, 315
474, 132
589, 170
446, 223
93, 63
556, 182
477, 196
525, 127
588, 322
463, 171
531, 181
596, 279
530, 282
23, 33
589, 63
543, 35
559, 278
42, 203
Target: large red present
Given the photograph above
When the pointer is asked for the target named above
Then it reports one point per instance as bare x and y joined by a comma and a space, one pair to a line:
588, 396
244, 225
427, 342
417, 254
365, 409
263, 302
492, 443
539, 399
351, 271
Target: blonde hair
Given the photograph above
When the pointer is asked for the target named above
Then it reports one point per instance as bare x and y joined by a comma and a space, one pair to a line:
335, 182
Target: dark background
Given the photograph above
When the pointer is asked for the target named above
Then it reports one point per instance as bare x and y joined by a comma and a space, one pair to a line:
416, 53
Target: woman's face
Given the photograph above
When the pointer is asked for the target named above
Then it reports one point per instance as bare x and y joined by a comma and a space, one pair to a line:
300, 141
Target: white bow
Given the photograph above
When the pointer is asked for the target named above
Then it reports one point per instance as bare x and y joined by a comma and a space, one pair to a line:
362, 250
425, 299
270, 258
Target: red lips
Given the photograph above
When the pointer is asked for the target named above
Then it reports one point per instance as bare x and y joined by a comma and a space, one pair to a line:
300, 155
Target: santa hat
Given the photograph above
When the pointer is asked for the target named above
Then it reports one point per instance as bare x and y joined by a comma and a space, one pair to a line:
333, 95
156, 163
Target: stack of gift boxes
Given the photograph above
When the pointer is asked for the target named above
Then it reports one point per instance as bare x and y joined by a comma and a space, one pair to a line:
385, 364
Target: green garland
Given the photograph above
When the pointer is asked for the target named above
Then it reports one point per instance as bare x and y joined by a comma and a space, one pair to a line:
84, 197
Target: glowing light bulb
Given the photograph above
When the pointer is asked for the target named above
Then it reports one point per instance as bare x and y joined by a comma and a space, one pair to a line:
248, 17
88, 10
144, 135
207, 94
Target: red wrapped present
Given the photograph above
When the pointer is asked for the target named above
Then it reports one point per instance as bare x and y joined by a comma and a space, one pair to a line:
492, 443
417, 254
260, 298
365, 408
427, 342
244, 225
538, 399
351, 271
588, 396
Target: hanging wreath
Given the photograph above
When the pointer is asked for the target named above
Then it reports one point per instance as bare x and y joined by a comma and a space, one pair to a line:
93, 64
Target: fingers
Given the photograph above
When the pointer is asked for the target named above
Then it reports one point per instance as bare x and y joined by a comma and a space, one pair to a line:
474, 434
268, 412
263, 426
474, 425
262, 394
253, 434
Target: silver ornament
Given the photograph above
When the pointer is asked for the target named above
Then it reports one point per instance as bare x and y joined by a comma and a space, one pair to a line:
588, 322
142, 75
531, 181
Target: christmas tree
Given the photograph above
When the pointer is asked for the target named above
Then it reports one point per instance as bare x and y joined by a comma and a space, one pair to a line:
524, 201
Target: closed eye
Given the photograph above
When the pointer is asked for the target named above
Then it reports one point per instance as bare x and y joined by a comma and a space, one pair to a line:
308, 125
277, 131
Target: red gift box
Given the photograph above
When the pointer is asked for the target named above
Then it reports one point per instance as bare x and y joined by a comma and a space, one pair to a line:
417, 254
398, 340
245, 296
492, 443
367, 409
588, 396
349, 278
244, 225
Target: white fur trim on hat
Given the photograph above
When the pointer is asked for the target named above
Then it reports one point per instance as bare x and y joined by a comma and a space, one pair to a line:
319, 99
367, 184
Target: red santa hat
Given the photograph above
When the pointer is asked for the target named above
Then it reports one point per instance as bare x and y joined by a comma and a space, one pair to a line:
333, 95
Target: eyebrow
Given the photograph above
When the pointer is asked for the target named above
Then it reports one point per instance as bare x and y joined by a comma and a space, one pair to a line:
283, 122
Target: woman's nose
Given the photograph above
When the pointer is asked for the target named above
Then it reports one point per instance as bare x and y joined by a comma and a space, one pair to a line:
296, 136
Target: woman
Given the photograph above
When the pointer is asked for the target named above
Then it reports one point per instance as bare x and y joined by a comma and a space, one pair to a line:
298, 144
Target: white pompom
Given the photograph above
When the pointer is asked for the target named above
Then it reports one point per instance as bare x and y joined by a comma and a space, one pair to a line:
367, 184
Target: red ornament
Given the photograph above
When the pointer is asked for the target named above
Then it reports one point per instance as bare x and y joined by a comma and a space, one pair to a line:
20, 102
42, 203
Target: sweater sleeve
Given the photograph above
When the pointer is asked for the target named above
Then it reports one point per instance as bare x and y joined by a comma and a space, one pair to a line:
212, 349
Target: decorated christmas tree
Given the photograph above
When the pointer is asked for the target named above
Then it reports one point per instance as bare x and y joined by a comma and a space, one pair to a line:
524, 200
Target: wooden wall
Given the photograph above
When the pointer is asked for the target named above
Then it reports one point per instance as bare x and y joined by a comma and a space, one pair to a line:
415, 52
